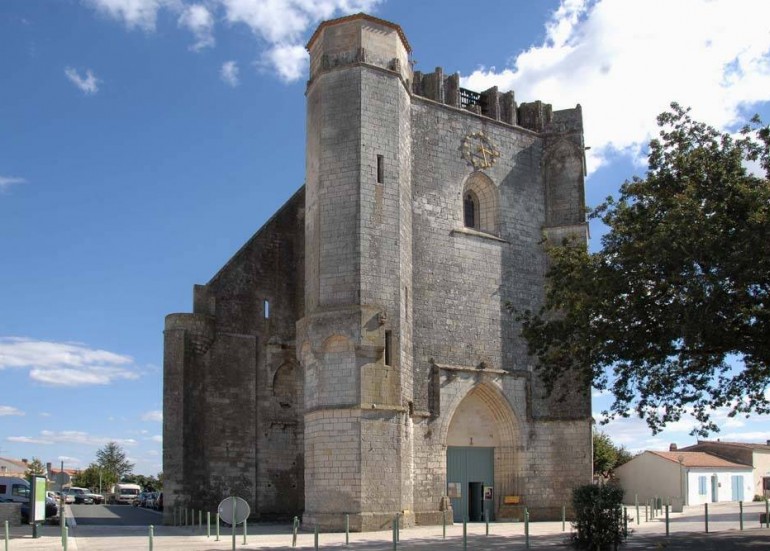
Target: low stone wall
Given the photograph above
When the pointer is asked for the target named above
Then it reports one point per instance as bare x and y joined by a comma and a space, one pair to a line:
10, 512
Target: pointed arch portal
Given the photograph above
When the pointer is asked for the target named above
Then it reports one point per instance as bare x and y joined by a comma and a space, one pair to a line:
481, 443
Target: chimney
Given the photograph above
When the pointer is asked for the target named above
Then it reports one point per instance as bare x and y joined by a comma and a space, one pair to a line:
672, 447
48, 469
24, 461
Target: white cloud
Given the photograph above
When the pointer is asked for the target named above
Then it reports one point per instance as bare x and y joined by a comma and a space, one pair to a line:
280, 26
624, 61
289, 61
64, 364
198, 19
155, 415
8, 181
229, 73
157, 438
133, 13
69, 460
87, 84
10, 410
48, 437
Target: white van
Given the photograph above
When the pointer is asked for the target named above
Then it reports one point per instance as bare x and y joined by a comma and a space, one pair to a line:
14, 489
124, 493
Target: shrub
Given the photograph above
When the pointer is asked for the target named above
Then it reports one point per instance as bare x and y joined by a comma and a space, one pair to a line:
598, 516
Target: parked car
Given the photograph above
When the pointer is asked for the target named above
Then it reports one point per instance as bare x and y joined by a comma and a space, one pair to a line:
84, 496
51, 509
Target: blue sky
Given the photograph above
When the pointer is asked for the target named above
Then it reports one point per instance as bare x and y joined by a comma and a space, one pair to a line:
142, 142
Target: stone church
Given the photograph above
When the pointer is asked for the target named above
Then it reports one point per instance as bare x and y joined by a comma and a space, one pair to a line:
358, 354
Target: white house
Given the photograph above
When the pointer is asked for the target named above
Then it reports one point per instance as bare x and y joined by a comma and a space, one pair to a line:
756, 455
690, 478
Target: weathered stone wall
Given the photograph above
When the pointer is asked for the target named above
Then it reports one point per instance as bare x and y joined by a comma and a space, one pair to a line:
232, 388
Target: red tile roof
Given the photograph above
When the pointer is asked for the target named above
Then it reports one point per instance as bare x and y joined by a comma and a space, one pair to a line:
699, 459
747, 445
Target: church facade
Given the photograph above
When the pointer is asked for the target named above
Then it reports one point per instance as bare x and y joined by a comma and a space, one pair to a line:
358, 356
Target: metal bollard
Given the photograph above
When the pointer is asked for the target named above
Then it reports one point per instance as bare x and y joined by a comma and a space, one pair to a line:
151, 534
486, 519
185, 516
625, 521
398, 528
200, 520
667, 532
347, 529
646, 513
740, 513
636, 503
443, 524
208, 524
706, 505
526, 528
217, 527
563, 517
767, 514
393, 530
245, 530
316, 537
66, 536
7, 535
465, 534
294, 528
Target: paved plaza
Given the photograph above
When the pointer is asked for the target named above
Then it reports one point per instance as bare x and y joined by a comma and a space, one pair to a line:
687, 531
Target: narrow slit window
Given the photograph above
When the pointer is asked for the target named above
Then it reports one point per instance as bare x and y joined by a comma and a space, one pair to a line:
266, 309
380, 169
469, 208
388, 347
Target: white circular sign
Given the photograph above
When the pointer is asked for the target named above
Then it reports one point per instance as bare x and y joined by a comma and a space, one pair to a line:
236, 507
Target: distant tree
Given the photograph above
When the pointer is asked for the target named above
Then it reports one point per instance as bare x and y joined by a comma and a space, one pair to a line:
149, 483
35, 468
608, 456
93, 477
113, 462
672, 315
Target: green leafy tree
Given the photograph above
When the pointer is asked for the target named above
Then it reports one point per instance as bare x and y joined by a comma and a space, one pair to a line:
672, 315
608, 456
149, 483
113, 462
35, 468
93, 477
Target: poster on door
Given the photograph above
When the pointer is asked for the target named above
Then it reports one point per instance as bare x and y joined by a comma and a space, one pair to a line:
489, 493
453, 490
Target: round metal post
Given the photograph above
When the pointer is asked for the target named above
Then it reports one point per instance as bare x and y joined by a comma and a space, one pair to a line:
208, 524
465, 534
563, 517
7, 535
667, 532
486, 519
706, 507
294, 528
443, 524
151, 534
245, 530
347, 529
235, 507
200, 520
217, 527
66, 536
740, 513
526, 527
767, 514
315, 535
395, 540
625, 521
636, 503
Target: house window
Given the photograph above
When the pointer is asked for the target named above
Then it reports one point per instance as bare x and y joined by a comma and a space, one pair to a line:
702, 488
